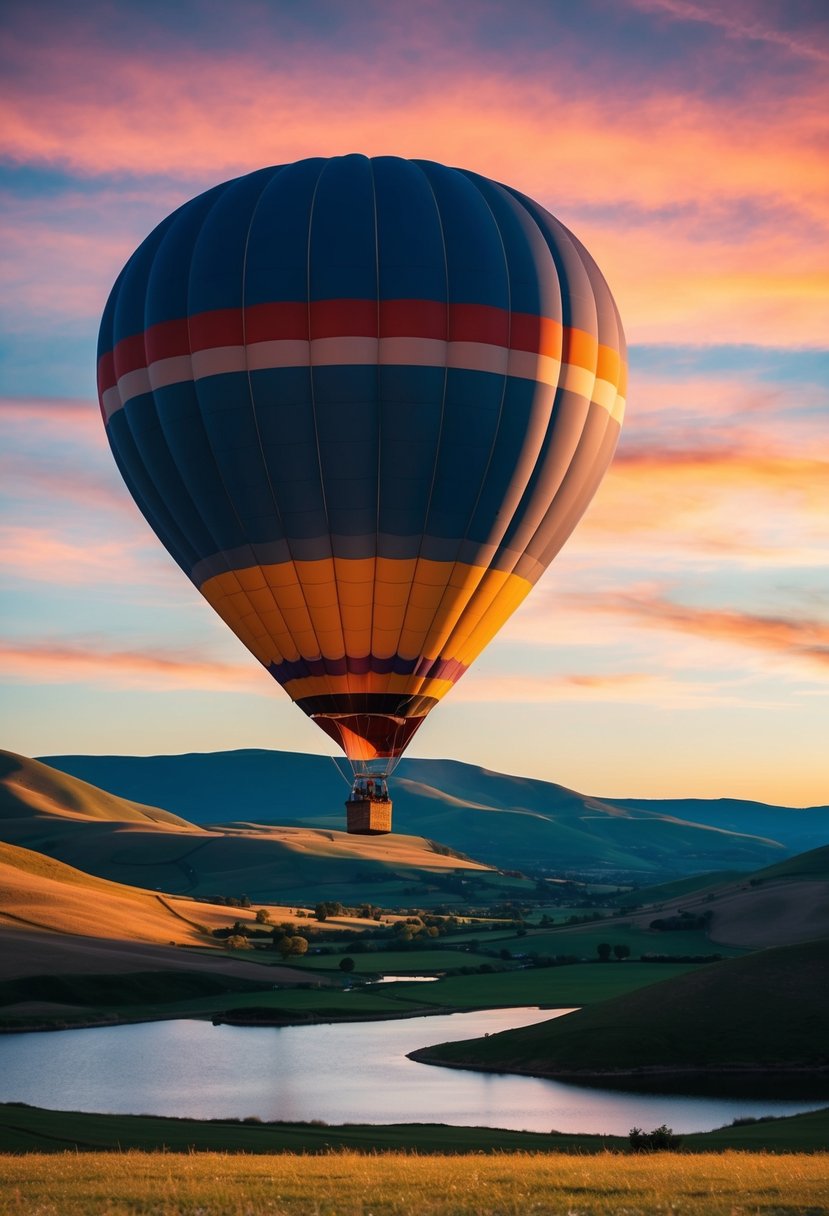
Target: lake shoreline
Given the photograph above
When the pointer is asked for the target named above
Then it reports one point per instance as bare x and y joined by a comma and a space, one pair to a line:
229, 1018
427, 1055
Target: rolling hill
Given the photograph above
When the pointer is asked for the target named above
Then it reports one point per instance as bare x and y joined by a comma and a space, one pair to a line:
27, 785
763, 1013
515, 822
126, 843
65, 936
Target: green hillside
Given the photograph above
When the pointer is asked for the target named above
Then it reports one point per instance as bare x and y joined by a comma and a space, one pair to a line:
814, 864
763, 1012
25, 1129
693, 885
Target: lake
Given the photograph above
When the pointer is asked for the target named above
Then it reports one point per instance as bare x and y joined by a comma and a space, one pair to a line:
347, 1072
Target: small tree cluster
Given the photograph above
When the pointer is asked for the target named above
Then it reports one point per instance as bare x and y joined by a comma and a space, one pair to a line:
290, 947
660, 1139
619, 951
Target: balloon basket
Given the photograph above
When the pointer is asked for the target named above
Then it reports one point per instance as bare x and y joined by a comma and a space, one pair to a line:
368, 816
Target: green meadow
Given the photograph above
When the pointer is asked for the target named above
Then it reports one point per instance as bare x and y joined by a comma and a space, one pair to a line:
26, 1129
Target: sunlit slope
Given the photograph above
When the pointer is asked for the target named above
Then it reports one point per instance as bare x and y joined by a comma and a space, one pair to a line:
777, 906
40, 892
27, 785
513, 822
765, 1011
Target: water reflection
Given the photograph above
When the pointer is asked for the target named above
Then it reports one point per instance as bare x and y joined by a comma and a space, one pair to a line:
353, 1072
403, 979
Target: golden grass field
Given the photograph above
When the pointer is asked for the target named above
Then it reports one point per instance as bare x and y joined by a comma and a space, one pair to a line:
352, 1184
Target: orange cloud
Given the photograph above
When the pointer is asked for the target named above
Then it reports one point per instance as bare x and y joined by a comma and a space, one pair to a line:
693, 506
794, 638
688, 288
639, 688
232, 113
708, 211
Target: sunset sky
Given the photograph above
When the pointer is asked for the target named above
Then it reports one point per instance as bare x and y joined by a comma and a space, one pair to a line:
679, 645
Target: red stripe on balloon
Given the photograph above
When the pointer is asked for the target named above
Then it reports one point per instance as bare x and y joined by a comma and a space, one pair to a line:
298, 320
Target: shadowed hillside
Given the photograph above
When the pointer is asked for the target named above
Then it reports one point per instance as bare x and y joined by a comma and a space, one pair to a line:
509, 821
777, 906
765, 1012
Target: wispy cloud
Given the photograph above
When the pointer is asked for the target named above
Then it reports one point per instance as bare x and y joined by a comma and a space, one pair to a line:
702, 506
620, 688
801, 639
65, 414
95, 661
62, 559
752, 22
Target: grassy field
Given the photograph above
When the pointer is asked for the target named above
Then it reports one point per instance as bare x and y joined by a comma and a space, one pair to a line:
680, 887
83, 999
765, 1011
416, 962
353, 1184
581, 984
289, 1005
582, 941
26, 1129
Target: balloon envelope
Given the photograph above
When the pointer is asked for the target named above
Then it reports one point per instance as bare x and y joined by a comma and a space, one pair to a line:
363, 403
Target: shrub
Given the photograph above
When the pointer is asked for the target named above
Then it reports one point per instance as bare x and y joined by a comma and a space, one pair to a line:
660, 1139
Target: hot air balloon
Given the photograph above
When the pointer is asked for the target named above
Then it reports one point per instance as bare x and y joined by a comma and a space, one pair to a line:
363, 403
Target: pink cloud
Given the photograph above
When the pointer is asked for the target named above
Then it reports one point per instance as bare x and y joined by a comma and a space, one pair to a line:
66, 415
52, 489
231, 113
45, 555
62, 662
714, 207
717, 206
